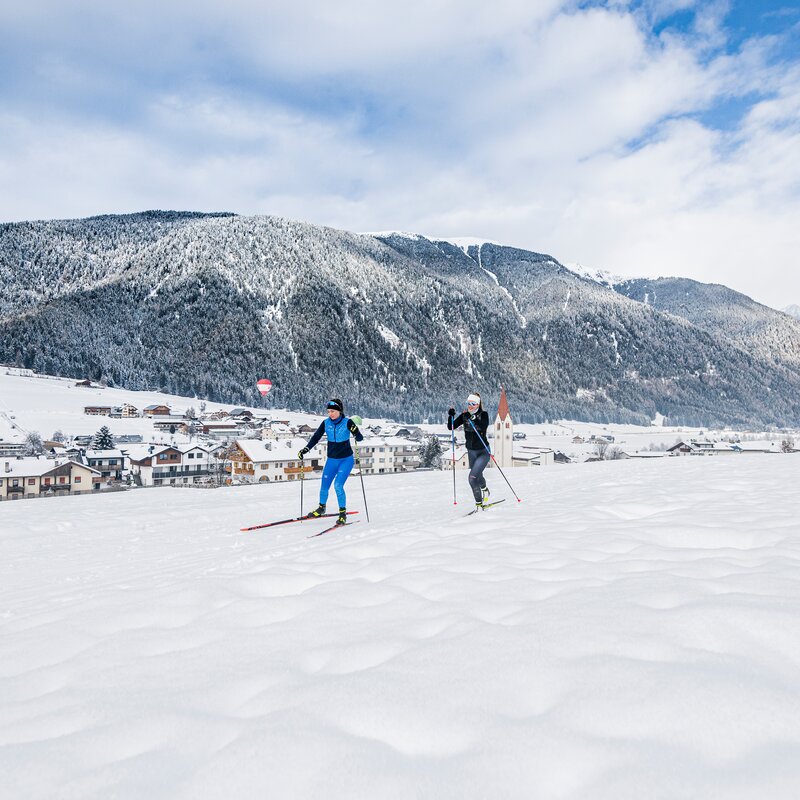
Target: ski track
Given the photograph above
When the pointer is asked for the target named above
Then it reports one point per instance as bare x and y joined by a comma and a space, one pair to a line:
626, 631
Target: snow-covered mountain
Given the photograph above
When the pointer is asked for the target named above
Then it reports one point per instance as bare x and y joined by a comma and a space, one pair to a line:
403, 324
727, 315
601, 276
793, 311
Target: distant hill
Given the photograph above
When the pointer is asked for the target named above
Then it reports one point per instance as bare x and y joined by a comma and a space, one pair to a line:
728, 315
398, 324
792, 311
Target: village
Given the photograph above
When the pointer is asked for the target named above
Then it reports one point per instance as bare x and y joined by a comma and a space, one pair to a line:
212, 446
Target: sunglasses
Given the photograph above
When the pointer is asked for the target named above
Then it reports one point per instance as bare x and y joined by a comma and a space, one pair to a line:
472, 404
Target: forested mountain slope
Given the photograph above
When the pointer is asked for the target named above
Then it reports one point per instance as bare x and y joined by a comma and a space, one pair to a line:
398, 325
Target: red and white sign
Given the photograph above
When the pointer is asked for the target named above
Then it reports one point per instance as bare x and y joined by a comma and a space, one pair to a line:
264, 386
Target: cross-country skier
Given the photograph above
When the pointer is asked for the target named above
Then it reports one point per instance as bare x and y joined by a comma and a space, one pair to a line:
476, 422
337, 428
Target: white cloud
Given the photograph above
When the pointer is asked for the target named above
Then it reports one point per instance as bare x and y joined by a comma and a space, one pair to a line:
511, 121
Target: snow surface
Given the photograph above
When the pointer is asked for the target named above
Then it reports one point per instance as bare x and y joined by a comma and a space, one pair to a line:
628, 631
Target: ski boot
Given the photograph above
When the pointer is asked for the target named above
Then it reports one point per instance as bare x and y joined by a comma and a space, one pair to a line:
342, 518
319, 511
485, 495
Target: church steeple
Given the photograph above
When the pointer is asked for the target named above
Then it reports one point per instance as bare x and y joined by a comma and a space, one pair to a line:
504, 433
502, 411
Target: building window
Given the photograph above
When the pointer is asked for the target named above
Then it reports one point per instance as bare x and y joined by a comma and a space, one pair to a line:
46, 481
31, 481
77, 479
62, 479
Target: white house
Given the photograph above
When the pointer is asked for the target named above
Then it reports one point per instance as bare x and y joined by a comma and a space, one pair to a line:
110, 463
379, 456
39, 477
267, 461
173, 465
529, 456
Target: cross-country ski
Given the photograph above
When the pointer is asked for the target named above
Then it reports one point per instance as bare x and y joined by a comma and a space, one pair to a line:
305, 518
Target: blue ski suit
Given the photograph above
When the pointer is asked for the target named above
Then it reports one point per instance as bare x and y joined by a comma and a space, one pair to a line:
340, 456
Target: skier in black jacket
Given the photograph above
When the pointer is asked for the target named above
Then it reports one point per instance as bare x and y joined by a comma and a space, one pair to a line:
476, 423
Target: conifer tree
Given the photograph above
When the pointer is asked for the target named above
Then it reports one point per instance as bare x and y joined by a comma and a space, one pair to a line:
103, 439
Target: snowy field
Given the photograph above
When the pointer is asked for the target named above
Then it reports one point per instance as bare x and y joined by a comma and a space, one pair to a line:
630, 630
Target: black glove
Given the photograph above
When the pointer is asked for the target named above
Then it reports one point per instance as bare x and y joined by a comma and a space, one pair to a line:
352, 427
451, 412
302, 453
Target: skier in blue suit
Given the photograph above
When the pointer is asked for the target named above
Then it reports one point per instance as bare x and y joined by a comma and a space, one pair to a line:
337, 428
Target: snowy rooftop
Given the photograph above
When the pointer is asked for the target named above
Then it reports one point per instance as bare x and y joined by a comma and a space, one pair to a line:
104, 454
258, 450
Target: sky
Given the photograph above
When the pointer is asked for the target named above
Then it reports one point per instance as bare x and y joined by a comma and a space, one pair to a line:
644, 137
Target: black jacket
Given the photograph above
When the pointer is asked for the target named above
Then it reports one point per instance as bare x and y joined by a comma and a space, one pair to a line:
481, 422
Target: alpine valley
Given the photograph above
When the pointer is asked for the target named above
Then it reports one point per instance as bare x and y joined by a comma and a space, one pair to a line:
398, 325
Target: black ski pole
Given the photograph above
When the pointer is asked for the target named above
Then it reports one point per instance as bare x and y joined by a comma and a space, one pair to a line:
493, 458
361, 475
302, 483
453, 442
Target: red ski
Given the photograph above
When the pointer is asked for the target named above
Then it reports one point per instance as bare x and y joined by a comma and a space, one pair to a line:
334, 527
292, 519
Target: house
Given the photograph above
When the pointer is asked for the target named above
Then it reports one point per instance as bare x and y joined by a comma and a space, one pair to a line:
41, 477
240, 414
160, 465
765, 446
129, 411
680, 449
460, 461
109, 463
156, 410
277, 430
84, 384
528, 456
97, 411
387, 455
260, 461
215, 415
169, 423
11, 448
224, 429
703, 447
306, 429
129, 438
577, 440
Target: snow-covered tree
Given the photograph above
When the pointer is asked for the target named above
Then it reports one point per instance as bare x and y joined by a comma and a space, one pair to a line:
58, 436
33, 444
103, 439
430, 453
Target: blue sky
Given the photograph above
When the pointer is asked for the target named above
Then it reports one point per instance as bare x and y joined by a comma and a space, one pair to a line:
645, 137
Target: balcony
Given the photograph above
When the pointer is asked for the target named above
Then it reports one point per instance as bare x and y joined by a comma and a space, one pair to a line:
181, 473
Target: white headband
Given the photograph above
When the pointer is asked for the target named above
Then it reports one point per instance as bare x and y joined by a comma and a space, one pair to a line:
473, 398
